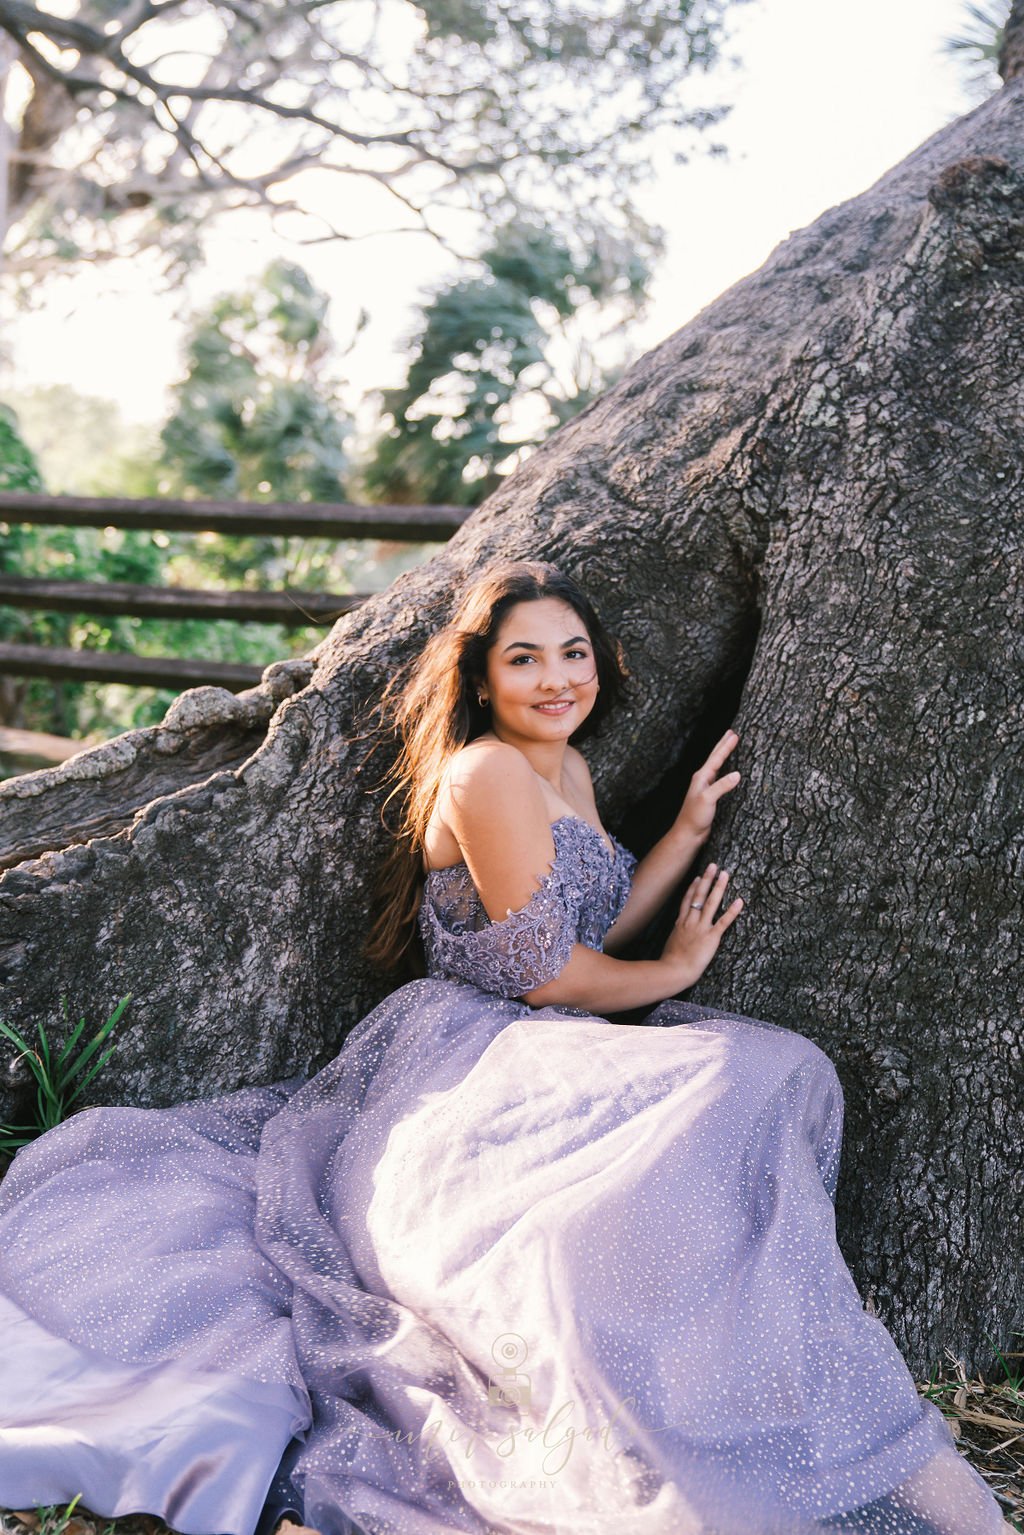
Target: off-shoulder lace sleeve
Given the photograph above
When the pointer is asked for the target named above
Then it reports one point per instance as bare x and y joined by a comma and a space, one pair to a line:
512, 956
623, 870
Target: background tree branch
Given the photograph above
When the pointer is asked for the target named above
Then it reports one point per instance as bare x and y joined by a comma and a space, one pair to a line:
469, 113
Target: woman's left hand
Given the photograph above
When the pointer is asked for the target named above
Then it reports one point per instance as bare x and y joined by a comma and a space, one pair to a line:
698, 808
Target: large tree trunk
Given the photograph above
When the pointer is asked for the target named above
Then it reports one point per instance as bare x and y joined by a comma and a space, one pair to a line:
802, 514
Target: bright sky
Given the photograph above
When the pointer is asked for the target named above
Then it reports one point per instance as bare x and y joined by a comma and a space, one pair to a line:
826, 99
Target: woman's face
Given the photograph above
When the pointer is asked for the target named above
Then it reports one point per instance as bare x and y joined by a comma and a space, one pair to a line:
541, 672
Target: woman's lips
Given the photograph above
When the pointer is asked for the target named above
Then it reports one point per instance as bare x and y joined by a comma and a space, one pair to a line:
558, 708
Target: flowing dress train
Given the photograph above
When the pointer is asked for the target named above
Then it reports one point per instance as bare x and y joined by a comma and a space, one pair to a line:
495, 1268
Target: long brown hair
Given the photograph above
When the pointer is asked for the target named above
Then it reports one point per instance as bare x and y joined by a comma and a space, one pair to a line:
430, 705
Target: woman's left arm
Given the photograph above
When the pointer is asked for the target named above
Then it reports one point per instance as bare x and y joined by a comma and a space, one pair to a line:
661, 870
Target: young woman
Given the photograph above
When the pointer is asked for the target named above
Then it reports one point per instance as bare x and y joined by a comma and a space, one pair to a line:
503, 1265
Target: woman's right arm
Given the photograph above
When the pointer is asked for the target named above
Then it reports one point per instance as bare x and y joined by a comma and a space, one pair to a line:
499, 818
603, 984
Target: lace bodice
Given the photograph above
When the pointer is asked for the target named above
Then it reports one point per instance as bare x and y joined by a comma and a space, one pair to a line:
576, 901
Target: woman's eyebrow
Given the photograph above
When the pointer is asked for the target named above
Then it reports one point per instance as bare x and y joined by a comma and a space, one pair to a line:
527, 645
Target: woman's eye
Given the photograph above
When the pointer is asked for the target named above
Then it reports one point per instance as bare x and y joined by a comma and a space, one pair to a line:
525, 657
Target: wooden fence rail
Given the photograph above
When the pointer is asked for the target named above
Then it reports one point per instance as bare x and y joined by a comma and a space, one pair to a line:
403, 524
116, 666
294, 607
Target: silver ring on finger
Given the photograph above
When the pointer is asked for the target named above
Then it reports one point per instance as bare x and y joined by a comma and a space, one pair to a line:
697, 905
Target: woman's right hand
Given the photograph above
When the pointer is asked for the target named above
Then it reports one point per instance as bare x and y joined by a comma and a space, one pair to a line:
695, 937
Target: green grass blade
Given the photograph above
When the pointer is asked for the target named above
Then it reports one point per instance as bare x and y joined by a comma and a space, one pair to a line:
46, 1093
93, 1045
13, 1136
87, 1079
73, 1041
67, 1077
44, 1046
18, 1039
26, 1052
52, 1078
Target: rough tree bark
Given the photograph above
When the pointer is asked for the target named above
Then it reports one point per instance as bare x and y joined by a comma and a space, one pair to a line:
802, 514
1011, 50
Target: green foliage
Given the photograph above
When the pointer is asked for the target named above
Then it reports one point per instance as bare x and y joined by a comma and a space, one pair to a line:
256, 417
500, 360
54, 1519
81, 443
54, 1075
19, 470
139, 557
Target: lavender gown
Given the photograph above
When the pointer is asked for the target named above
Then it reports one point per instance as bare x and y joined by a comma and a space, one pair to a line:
494, 1269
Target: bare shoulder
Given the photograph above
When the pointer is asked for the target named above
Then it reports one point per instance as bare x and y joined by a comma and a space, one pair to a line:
484, 765
487, 781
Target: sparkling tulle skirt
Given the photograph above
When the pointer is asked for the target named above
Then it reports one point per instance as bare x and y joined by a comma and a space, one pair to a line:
494, 1269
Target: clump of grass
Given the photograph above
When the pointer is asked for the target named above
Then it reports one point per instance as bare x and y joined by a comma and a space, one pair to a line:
54, 1075
53, 1520
987, 1421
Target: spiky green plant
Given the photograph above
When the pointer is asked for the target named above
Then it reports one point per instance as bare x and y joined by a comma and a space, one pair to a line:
54, 1075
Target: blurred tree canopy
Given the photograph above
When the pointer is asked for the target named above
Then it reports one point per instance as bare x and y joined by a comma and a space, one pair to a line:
257, 415
81, 443
500, 360
129, 125
19, 470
